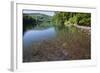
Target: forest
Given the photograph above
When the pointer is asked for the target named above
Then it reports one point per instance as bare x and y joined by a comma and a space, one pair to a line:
60, 20
63, 19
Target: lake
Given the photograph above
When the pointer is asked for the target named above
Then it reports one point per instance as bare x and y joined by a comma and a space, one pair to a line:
33, 36
53, 44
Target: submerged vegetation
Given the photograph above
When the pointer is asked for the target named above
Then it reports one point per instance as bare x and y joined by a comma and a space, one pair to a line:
70, 45
72, 41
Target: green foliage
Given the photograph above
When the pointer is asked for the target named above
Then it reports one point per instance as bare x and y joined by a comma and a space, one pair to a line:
84, 19
63, 19
28, 22
59, 20
73, 20
36, 21
67, 23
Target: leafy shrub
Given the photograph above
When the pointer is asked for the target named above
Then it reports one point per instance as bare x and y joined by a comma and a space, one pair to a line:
73, 20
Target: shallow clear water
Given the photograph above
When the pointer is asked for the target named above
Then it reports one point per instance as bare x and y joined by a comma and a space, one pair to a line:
55, 44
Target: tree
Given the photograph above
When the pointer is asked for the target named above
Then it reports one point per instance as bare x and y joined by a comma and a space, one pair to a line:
62, 19
84, 19
28, 22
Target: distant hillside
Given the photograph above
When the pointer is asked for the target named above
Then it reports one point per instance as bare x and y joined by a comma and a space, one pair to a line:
40, 17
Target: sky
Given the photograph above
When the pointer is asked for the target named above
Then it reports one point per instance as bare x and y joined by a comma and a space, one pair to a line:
50, 13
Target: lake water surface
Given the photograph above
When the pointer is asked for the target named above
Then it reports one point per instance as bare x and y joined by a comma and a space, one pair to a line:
32, 36
54, 44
